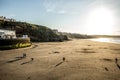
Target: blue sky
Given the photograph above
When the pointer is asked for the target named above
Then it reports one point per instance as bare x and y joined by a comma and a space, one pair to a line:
64, 15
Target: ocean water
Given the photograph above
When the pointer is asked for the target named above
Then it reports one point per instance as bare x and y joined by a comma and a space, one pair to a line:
110, 40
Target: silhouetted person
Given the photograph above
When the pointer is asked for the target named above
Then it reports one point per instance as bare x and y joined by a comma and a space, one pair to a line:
32, 59
24, 55
116, 60
63, 58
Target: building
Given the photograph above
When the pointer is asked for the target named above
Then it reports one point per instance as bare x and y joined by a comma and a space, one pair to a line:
7, 34
25, 36
55, 31
2, 19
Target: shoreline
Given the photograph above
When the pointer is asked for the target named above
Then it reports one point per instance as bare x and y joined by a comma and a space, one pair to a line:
107, 40
71, 60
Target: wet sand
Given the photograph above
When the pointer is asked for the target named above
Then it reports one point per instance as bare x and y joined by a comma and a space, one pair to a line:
70, 60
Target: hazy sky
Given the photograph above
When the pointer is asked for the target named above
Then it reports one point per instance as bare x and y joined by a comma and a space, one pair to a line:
67, 15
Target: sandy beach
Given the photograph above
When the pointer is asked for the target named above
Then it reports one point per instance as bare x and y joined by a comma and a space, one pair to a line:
70, 60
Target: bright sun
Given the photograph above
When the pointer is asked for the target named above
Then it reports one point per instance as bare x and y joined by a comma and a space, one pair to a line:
100, 21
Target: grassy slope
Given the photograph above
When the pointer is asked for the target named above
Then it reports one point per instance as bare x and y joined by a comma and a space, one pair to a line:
35, 32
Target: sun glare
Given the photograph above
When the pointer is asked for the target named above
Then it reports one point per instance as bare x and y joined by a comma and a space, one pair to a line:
100, 21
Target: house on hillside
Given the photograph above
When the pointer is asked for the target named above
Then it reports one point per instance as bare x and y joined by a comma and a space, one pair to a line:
7, 34
2, 19
55, 31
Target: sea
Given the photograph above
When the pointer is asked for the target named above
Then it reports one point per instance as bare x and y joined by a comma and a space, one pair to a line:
109, 40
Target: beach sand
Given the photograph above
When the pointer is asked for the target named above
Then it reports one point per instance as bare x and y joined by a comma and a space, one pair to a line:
70, 60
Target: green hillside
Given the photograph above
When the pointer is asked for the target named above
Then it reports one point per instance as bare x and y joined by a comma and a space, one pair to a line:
37, 33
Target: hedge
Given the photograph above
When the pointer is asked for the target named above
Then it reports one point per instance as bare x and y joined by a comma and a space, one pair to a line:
6, 44
20, 45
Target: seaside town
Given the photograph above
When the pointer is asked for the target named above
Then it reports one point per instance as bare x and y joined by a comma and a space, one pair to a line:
3, 18
59, 39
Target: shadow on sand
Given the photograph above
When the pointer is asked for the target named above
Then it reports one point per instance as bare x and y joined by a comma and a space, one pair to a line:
64, 59
27, 62
17, 58
58, 64
14, 60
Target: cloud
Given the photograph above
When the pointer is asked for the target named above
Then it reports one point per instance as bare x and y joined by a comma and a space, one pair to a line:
70, 7
49, 7
62, 12
54, 7
11, 15
49, 10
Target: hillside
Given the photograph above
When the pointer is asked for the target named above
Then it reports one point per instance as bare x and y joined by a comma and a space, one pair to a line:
76, 35
37, 33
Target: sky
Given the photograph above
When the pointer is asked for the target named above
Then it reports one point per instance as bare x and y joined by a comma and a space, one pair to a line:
75, 16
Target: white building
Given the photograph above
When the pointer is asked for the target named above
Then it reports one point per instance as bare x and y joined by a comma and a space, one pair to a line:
7, 34
25, 36
2, 18
55, 31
